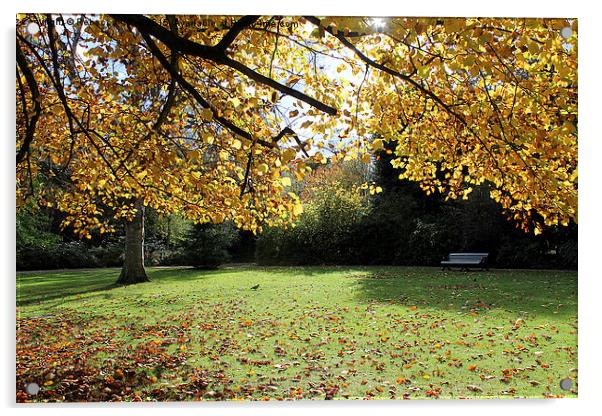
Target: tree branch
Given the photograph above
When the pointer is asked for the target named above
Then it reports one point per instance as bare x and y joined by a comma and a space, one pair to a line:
387, 70
30, 125
199, 98
215, 54
234, 31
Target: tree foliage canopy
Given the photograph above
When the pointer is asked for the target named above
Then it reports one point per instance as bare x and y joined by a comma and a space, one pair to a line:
212, 116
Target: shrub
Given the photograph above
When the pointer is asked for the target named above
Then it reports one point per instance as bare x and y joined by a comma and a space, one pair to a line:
206, 245
72, 255
110, 254
567, 255
428, 243
334, 205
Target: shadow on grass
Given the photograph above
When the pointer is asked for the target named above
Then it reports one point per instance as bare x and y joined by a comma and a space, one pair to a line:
35, 287
59, 294
531, 292
42, 286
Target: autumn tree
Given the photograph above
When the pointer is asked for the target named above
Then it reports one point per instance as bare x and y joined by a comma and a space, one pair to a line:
211, 117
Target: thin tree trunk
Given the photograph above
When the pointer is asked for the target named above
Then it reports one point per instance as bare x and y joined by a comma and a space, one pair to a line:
133, 264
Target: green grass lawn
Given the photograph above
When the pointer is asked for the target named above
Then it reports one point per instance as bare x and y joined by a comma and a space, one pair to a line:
305, 333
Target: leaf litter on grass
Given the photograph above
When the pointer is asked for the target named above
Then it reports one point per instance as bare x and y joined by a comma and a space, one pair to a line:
307, 333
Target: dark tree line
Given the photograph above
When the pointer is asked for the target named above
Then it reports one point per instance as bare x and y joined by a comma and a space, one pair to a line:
405, 226
400, 226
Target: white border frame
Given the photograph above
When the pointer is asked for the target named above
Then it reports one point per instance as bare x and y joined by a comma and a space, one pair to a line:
589, 238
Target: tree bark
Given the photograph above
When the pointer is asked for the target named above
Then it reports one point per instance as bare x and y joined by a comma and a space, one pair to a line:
133, 263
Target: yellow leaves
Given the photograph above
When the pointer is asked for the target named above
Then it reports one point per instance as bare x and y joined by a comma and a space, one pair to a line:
377, 144
206, 114
375, 190
218, 217
263, 168
292, 80
424, 71
297, 209
563, 70
285, 181
288, 154
454, 25
533, 48
539, 116
518, 323
466, 192
469, 60
235, 102
306, 124
320, 158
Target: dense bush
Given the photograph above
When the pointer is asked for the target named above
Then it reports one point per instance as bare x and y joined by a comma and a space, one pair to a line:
567, 254
163, 237
206, 245
404, 226
110, 254
33, 229
334, 205
69, 255
41, 244
59, 256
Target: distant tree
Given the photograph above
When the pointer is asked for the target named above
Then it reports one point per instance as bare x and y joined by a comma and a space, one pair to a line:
206, 245
163, 235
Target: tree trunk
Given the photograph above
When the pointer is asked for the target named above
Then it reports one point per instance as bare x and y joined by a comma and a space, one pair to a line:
133, 264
